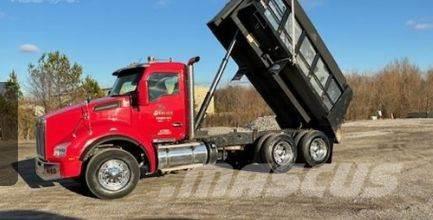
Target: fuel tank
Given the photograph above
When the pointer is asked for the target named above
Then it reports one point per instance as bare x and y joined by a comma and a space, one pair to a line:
187, 155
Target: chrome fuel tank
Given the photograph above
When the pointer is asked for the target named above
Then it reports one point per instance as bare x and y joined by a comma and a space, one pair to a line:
184, 156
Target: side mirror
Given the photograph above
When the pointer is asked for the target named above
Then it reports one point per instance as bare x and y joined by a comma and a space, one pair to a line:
134, 97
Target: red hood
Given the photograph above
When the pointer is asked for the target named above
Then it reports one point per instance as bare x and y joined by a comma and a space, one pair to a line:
64, 125
83, 106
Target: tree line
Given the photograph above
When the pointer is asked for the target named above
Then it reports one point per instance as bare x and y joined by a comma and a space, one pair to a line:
396, 90
399, 88
237, 105
10, 92
53, 82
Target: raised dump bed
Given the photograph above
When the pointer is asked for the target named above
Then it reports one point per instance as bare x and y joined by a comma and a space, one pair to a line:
308, 93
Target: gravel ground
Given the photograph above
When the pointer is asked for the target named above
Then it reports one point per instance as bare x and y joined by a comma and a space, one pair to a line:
381, 170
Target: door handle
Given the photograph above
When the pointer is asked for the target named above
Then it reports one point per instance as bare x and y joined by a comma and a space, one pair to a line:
177, 124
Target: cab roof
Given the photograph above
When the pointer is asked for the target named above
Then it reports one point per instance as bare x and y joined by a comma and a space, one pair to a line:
130, 67
143, 66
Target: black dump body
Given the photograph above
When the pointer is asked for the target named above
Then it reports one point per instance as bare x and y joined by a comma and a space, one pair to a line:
311, 94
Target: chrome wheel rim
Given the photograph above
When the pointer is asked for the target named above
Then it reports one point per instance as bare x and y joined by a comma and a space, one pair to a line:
114, 175
318, 149
283, 154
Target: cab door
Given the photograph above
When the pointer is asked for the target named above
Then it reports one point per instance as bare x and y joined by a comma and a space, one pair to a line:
165, 112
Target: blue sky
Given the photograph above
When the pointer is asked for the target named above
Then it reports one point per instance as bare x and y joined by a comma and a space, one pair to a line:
103, 35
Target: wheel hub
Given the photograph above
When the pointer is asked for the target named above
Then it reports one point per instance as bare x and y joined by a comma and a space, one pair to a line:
283, 153
318, 149
114, 175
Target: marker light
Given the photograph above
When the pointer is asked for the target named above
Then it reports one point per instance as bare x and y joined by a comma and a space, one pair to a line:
60, 150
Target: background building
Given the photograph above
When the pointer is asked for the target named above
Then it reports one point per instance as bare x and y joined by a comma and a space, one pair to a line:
200, 94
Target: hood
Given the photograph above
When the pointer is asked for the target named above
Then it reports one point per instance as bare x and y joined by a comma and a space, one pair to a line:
97, 104
64, 125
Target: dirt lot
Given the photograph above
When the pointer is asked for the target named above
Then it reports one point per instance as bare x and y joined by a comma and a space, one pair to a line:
382, 170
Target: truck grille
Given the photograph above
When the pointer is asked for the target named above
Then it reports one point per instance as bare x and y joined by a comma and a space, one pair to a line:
40, 139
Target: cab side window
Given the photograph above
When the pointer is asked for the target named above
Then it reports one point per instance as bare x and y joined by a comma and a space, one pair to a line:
163, 84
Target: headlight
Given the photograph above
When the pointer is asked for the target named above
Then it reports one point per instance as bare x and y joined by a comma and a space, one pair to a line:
61, 150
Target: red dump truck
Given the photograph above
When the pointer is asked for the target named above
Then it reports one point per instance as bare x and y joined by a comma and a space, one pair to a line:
147, 124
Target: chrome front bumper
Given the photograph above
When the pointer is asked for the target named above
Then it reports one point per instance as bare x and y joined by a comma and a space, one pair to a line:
47, 171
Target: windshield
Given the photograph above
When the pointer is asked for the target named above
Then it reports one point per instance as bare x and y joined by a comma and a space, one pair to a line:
126, 83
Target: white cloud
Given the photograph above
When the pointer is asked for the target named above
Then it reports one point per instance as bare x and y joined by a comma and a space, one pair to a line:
419, 25
29, 48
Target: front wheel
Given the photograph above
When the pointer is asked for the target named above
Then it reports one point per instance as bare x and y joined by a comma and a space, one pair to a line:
112, 174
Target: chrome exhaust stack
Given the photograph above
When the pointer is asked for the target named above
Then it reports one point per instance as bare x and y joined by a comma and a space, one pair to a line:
192, 154
191, 95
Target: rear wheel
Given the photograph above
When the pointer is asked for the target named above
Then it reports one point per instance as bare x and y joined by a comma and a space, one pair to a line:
279, 153
112, 174
258, 147
298, 138
315, 147
299, 135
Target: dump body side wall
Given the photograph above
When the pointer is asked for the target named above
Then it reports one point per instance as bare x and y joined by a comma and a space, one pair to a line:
294, 92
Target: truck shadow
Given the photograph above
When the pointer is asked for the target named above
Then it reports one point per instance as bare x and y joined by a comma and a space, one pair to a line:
245, 162
253, 167
29, 214
26, 169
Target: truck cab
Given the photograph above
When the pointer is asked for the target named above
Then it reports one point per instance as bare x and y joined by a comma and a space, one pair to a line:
159, 107
147, 106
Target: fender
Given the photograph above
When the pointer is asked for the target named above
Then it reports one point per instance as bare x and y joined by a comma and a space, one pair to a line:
114, 137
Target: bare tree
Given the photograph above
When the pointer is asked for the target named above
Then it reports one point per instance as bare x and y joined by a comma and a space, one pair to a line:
396, 90
55, 82
428, 91
237, 106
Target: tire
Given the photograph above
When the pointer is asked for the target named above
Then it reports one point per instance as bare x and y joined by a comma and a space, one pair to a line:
259, 145
299, 135
298, 138
283, 161
321, 142
114, 159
